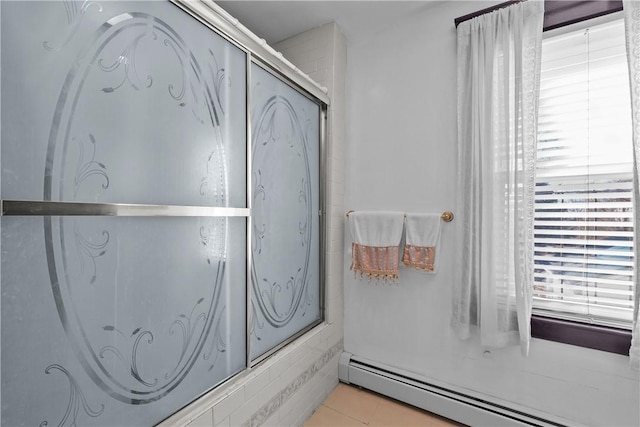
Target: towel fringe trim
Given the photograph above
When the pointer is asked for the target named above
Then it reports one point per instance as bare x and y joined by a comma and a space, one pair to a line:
419, 257
379, 262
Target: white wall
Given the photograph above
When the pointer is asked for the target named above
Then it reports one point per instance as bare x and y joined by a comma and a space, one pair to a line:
285, 389
401, 155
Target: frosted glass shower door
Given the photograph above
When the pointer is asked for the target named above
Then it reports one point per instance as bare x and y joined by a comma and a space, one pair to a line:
123, 235
285, 212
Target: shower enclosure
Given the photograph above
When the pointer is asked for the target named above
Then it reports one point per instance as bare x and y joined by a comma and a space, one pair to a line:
161, 225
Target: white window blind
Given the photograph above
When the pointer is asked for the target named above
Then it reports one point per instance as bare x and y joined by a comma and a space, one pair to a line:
584, 207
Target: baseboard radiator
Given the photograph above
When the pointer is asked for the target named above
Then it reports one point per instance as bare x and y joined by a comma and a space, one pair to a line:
438, 399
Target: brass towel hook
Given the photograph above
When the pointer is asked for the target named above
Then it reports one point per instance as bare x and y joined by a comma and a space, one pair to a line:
447, 216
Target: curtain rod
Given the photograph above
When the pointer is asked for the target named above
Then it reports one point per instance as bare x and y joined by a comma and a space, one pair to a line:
558, 13
475, 14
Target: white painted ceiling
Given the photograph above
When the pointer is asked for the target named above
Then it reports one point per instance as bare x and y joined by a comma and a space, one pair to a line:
277, 20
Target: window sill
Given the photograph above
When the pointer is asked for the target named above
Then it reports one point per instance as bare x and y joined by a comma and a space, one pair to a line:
602, 338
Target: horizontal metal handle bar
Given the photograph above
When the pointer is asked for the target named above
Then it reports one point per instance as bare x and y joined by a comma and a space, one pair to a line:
447, 216
49, 208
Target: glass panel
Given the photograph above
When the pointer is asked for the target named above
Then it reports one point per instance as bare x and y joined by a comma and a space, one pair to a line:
118, 321
285, 205
140, 103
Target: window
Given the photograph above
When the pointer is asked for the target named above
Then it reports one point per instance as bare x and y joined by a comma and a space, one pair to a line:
584, 207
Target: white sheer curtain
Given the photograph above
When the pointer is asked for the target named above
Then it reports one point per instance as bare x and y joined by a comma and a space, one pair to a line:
632, 28
498, 80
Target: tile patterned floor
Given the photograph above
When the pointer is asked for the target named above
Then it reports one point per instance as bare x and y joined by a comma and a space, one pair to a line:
351, 406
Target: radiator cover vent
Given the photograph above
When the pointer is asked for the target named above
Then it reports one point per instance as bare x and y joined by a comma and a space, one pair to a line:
455, 405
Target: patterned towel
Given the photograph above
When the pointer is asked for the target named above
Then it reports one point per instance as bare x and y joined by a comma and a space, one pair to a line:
375, 243
422, 238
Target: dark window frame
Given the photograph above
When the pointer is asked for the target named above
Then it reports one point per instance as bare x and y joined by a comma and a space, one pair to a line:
597, 337
614, 340
559, 13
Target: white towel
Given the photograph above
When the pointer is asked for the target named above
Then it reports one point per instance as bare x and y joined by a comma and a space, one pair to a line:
422, 239
375, 243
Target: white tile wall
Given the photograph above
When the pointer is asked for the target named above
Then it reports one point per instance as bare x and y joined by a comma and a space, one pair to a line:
204, 420
228, 404
286, 388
